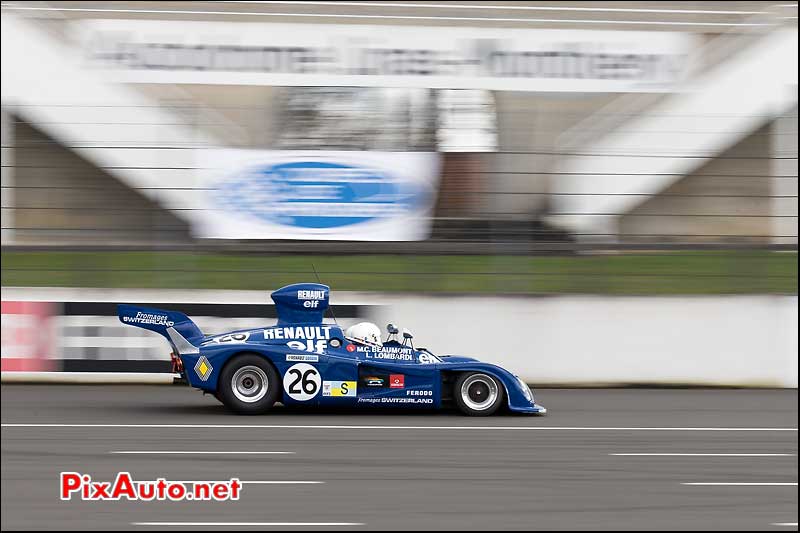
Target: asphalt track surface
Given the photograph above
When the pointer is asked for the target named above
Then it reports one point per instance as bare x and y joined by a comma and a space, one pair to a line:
395, 470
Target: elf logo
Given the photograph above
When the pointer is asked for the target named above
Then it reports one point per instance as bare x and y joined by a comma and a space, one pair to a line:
311, 298
397, 381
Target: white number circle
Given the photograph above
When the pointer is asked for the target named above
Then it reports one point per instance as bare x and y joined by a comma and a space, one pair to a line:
301, 382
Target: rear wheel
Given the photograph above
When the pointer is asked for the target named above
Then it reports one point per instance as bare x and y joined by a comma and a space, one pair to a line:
248, 385
478, 394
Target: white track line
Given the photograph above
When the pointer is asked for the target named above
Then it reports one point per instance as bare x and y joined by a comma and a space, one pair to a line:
362, 16
744, 484
286, 482
479, 428
787, 524
193, 452
243, 482
259, 482
248, 524
704, 454
143, 378
503, 7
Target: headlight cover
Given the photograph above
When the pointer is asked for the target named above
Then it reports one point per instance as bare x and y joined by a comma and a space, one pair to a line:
525, 389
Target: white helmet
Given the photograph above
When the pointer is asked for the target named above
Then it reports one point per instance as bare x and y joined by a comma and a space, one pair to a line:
364, 333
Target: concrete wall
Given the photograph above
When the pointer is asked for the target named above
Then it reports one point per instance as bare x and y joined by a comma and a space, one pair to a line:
552, 340
241, 116
519, 178
725, 340
784, 180
709, 118
59, 195
728, 198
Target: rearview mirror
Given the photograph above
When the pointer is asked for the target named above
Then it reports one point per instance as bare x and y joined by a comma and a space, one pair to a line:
407, 336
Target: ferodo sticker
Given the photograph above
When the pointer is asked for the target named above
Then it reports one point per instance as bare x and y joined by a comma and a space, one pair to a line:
302, 382
339, 388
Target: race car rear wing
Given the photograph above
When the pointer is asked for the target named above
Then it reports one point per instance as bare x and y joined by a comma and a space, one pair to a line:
183, 335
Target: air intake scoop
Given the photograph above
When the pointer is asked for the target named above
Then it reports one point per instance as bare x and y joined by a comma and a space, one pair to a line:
301, 303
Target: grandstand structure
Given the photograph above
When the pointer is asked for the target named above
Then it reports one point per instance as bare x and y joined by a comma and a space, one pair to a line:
558, 125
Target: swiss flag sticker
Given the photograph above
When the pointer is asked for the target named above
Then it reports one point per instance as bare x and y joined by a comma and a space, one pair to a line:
397, 381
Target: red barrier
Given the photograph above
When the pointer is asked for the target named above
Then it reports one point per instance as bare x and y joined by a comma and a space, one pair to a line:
27, 336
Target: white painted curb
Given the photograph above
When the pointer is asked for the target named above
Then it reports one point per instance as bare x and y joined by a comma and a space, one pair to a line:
143, 378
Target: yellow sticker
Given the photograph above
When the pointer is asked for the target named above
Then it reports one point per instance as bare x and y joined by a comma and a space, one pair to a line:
339, 388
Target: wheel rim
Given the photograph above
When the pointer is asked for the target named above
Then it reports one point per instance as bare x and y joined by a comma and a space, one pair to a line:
479, 392
249, 384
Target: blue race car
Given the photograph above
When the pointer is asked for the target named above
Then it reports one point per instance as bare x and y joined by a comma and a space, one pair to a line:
303, 361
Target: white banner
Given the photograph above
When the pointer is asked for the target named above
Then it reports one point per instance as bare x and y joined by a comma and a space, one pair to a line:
361, 196
512, 59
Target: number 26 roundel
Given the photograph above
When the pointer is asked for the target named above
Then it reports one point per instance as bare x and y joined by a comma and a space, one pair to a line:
302, 382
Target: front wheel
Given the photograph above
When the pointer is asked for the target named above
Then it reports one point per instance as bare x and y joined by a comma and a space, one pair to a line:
478, 394
248, 385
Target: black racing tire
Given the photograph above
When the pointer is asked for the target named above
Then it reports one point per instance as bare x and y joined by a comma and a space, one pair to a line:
249, 385
478, 394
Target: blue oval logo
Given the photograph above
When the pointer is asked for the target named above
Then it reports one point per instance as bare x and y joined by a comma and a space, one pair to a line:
319, 194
